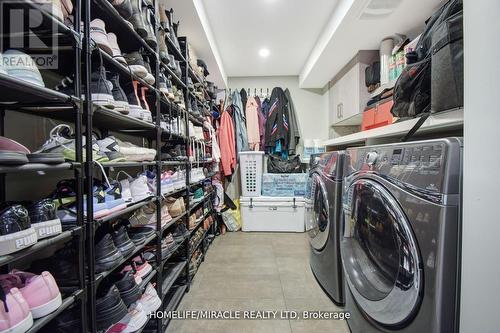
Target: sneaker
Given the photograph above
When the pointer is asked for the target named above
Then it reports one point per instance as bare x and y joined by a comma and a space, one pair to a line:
113, 197
170, 90
21, 66
166, 184
123, 7
16, 232
137, 238
180, 233
174, 152
99, 35
140, 189
132, 270
144, 216
149, 78
121, 102
176, 207
135, 107
15, 315
43, 218
135, 153
136, 62
100, 209
143, 232
135, 319
165, 215
142, 266
137, 18
110, 148
117, 53
110, 309
107, 256
40, 291
12, 152
128, 288
179, 179
123, 242
62, 141
101, 88
149, 299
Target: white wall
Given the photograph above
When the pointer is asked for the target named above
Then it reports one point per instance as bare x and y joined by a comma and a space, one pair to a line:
481, 224
310, 104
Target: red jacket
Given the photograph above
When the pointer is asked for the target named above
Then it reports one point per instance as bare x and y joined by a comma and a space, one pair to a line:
225, 136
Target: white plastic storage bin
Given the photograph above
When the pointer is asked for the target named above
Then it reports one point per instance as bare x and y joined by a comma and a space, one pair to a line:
251, 164
272, 214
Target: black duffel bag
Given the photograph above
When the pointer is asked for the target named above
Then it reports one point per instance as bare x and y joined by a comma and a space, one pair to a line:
412, 91
278, 165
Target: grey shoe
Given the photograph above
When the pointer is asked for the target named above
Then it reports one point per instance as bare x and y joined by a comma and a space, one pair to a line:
21, 66
137, 18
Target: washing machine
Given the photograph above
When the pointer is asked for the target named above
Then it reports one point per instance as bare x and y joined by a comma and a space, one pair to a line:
323, 208
401, 236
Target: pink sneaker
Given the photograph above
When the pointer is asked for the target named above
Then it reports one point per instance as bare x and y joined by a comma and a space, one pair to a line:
137, 276
40, 291
142, 267
18, 319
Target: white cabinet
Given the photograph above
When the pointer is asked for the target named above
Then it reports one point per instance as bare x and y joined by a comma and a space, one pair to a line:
348, 93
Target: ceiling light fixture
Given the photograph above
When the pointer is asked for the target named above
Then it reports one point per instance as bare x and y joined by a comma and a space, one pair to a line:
264, 53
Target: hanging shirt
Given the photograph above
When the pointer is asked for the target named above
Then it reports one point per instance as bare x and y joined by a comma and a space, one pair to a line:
252, 115
225, 135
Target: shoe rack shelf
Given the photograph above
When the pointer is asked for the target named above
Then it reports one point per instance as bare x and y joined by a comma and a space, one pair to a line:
171, 276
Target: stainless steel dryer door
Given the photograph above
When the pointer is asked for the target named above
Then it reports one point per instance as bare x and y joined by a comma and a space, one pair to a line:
380, 255
317, 213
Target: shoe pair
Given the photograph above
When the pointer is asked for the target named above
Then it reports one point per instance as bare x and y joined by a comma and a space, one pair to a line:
112, 312
165, 86
22, 227
21, 66
106, 41
146, 216
176, 206
139, 266
140, 66
26, 296
142, 23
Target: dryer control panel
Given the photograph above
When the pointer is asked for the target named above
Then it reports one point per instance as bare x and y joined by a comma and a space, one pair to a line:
421, 165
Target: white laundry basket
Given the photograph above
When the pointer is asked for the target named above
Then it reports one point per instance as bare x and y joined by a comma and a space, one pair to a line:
251, 164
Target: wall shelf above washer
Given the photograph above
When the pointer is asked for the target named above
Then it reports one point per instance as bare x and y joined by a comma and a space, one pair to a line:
438, 122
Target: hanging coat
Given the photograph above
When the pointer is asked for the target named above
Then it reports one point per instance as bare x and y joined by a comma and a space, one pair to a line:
225, 135
244, 98
239, 123
294, 125
277, 124
252, 116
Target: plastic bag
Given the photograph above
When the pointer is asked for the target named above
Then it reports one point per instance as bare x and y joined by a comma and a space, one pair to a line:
232, 217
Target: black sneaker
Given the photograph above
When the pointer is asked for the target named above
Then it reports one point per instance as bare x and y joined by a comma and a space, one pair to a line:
107, 256
110, 309
180, 233
128, 288
62, 265
44, 219
136, 63
144, 231
121, 102
137, 239
101, 88
16, 232
68, 321
174, 152
137, 18
123, 242
124, 9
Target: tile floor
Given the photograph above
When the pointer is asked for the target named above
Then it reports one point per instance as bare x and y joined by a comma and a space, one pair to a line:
257, 271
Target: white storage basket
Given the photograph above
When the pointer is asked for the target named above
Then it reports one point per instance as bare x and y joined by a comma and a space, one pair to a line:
251, 165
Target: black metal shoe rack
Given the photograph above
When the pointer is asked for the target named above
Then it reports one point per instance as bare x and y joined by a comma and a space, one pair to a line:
171, 274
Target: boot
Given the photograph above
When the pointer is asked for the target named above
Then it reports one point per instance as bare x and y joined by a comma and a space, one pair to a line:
163, 17
150, 37
163, 48
137, 19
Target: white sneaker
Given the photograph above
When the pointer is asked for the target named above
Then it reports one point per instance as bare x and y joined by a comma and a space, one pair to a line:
126, 192
139, 188
150, 301
99, 35
135, 319
135, 153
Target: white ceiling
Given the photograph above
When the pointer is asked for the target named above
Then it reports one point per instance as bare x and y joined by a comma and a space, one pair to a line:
288, 28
